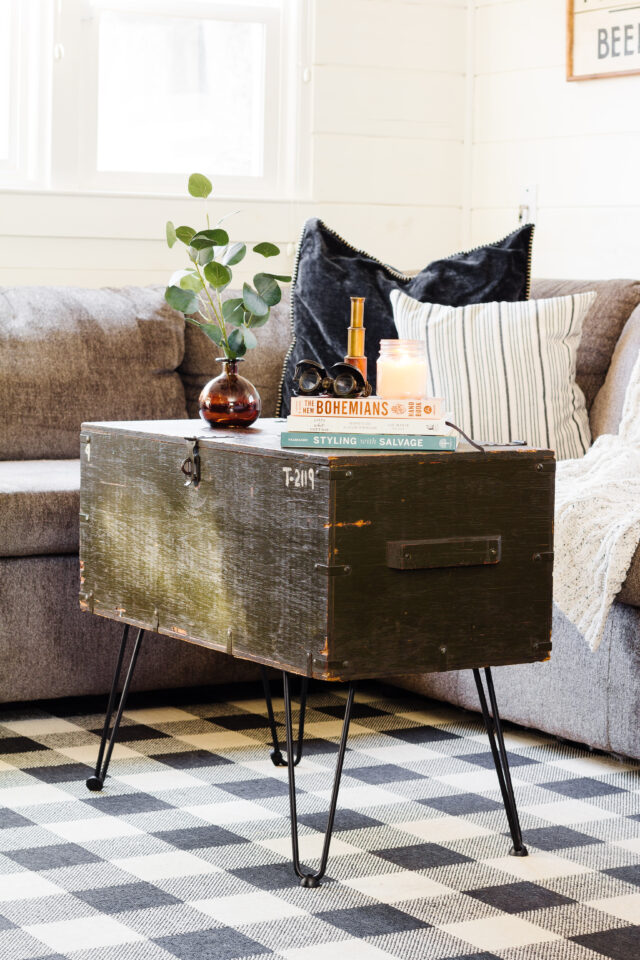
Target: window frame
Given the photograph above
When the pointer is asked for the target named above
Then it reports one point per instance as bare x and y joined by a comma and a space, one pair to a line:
29, 82
63, 154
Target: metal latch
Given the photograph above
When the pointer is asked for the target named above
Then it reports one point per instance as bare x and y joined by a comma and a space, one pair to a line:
543, 555
190, 466
333, 569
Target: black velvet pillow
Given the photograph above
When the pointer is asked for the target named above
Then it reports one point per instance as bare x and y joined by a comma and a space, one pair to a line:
329, 271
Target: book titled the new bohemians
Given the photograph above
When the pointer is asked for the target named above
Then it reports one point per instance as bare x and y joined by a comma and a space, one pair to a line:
426, 408
419, 425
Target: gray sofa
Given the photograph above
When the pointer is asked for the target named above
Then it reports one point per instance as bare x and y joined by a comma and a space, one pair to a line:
68, 355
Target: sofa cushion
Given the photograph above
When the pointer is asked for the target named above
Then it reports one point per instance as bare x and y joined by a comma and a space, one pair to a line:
615, 301
69, 355
507, 370
50, 648
39, 505
329, 271
262, 366
606, 411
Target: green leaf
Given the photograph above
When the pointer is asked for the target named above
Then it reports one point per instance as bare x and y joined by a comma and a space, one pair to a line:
233, 311
176, 277
266, 249
277, 276
234, 253
209, 238
236, 342
253, 303
250, 339
268, 289
191, 281
259, 321
213, 331
217, 274
199, 185
171, 233
183, 300
185, 233
201, 256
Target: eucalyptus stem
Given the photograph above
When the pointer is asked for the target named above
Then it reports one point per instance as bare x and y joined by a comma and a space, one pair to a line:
212, 255
219, 302
220, 305
219, 320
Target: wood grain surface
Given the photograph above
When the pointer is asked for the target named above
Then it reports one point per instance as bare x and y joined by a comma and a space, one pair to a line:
446, 617
281, 556
230, 565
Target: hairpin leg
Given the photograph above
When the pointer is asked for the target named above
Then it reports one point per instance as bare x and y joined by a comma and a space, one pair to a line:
313, 879
276, 754
96, 782
500, 759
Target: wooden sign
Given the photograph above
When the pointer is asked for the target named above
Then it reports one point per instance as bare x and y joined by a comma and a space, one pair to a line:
603, 38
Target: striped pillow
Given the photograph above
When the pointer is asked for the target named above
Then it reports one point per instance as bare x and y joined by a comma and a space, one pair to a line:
507, 370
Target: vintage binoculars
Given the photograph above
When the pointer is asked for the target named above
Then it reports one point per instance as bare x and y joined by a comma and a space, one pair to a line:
343, 380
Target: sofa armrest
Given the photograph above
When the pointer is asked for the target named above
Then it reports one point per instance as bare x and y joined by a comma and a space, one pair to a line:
606, 411
630, 592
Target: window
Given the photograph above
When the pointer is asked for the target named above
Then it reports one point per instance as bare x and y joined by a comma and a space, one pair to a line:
205, 107
142, 92
6, 17
23, 110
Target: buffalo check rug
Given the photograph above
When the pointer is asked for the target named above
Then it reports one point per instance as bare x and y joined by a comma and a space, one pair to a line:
186, 852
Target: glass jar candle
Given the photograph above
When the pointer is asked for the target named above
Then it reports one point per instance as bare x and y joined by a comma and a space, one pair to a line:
402, 369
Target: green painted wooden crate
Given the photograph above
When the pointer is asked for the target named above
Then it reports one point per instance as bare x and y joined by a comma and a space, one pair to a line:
332, 564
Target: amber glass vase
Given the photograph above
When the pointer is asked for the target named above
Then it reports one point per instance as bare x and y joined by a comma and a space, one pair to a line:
229, 400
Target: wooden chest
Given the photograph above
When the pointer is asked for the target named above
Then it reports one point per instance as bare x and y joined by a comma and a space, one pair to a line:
336, 565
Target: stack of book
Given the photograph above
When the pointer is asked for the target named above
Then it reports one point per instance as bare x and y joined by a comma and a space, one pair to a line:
371, 423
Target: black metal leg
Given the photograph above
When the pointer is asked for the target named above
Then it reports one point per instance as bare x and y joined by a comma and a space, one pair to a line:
500, 759
313, 879
276, 754
96, 782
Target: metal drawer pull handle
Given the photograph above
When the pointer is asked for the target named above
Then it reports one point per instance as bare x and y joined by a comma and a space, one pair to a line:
446, 552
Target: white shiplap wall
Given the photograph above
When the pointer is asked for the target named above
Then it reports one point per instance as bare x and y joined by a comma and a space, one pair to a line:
579, 142
387, 161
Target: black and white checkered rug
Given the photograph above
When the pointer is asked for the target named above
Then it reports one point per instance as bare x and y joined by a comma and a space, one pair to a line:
186, 853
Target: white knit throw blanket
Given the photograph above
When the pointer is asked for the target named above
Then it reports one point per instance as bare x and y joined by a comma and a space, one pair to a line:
597, 521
